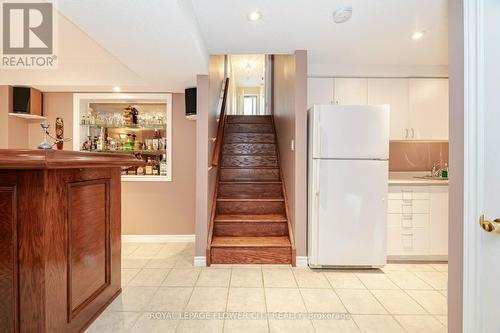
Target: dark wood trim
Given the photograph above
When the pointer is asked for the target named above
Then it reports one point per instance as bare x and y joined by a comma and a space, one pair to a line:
220, 128
14, 308
19, 159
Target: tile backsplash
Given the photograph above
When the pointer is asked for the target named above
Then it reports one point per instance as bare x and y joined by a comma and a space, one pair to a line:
416, 155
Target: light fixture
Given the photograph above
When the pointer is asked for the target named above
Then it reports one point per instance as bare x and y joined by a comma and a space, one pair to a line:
418, 35
342, 14
117, 89
254, 16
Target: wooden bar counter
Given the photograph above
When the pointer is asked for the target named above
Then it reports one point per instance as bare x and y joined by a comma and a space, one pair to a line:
60, 238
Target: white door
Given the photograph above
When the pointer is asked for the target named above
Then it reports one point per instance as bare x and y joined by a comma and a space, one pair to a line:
482, 164
351, 206
395, 93
348, 131
319, 91
428, 100
350, 91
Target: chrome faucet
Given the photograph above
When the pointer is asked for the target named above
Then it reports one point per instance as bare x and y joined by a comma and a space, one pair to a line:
436, 170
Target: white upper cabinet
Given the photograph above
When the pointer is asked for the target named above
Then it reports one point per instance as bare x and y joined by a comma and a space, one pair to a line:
350, 91
395, 93
428, 101
319, 91
419, 107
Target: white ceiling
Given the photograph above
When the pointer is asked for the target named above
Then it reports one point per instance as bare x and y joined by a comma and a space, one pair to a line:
378, 33
248, 70
160, 45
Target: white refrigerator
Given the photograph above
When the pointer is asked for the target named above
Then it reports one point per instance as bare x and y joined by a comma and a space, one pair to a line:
348, 167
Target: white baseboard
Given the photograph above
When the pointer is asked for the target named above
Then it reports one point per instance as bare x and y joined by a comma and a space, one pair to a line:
157, 238
200, 261
301, 261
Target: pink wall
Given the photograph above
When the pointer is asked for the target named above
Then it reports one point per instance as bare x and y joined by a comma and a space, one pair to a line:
416, 155
456, 196
290, 114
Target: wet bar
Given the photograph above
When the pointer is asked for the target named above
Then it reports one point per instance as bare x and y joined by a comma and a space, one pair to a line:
60, 237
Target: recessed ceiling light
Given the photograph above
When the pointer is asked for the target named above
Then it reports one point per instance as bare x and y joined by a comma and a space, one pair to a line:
417, 35
254, 16
342, 14
117, 89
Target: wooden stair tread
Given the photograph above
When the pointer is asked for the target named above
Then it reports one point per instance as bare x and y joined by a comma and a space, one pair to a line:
228, 241
252, 199
250, 218
240, 182
248, 167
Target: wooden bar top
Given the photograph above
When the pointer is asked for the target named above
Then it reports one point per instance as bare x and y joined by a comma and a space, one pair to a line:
37, 159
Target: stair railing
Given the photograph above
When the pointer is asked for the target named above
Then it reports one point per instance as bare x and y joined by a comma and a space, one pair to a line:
217, 152
220, 127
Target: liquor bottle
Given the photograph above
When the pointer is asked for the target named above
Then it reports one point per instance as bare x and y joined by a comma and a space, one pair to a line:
156, 141
140, 171
156, 167
163, 165
149, 167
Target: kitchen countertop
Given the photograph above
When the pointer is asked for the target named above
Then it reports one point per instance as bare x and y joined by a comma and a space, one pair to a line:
409, 178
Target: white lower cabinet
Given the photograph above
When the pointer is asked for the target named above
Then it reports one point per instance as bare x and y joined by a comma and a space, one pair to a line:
417, 223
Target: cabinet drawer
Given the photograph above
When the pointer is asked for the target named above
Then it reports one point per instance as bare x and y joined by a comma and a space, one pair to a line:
408, 221
408, 207
407, 242
408, 193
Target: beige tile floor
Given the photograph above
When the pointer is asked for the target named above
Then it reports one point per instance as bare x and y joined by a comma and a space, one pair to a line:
160, 279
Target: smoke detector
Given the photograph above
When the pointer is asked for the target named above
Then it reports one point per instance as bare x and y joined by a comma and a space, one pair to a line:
342, 14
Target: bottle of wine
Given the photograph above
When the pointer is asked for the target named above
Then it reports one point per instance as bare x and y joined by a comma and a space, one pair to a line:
163, 165
149, 167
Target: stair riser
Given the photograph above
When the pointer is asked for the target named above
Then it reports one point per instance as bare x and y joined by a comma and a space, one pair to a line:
250, 207
249, 119
249, 128
241, 175
249, 137
249, 148
249, 161
249, 255
250, 229
249, 191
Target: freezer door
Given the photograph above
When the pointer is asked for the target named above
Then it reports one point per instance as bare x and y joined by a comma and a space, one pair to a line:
349, 213
350, 132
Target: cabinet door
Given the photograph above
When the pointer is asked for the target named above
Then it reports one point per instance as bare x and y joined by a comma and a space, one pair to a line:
428, 109
395, 93
319, 91
439, 220
350, 91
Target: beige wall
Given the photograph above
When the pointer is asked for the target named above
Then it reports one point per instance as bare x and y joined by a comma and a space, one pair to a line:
290, 114
14, 131
208, 92
54, 105
148, 208
166, 208
4, 117
456, 196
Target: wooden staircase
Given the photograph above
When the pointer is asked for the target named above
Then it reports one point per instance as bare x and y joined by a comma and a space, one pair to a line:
250, 221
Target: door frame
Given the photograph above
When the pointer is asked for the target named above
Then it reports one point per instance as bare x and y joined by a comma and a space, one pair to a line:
473, 139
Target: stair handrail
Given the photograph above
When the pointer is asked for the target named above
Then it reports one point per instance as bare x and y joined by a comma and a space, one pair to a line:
220, 127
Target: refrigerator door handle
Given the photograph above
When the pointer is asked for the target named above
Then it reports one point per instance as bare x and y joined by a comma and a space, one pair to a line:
317, 135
